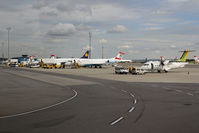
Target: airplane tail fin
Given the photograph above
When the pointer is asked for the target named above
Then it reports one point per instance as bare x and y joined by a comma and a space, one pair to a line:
52, 56
31, 57
196, 59
119, 56
183, 58
85, 56
162, 58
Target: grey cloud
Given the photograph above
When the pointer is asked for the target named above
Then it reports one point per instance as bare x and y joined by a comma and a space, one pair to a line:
62, 30
39, 4
73, 7
82, 27
118, 29
63, 8
195, 46
50, 13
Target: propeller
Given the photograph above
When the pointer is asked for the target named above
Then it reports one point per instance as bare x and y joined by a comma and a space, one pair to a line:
163, 61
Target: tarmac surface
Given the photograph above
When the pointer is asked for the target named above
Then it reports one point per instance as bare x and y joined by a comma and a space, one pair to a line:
98, 101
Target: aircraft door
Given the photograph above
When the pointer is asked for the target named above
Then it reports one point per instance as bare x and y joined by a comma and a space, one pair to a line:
152, 66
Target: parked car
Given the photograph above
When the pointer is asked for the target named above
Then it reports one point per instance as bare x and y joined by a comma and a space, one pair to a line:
121, 70
138, 71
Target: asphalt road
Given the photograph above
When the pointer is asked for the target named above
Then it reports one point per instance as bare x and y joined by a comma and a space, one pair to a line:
40, 102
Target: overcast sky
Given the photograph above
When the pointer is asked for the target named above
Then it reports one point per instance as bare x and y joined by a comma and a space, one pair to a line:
140, 28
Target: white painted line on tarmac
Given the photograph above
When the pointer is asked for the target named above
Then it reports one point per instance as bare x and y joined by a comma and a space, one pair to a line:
116, 121
178, 90
124, 91
135, 101
113, 87
132, 109
167, 88
41, 109
190, 94
132, 95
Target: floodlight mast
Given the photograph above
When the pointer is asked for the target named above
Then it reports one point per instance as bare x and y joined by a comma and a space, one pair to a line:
9, 28
90, 34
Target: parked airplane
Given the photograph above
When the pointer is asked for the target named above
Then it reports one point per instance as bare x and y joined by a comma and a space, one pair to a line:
85, 56
100, 62
118, 58
166, 65
64, 61
33, 62
196, 59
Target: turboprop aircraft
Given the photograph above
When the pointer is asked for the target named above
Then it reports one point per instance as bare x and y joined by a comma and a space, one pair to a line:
100, 62
166, 65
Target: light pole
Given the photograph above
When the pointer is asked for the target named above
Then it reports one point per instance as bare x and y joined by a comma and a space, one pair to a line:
89, 45
102, 51
2, 51
9, 28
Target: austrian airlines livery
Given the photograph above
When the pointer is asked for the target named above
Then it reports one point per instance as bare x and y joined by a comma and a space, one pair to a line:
196, 59
100, 62
66, 61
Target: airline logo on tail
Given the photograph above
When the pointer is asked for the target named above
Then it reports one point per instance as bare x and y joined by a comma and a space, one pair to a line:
162, 58
119, 56
85, 56
52, 56
196, 59
183, 58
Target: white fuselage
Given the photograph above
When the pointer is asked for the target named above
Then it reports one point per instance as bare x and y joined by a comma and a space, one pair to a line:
156, 65
57, 61
91, 62
98, 62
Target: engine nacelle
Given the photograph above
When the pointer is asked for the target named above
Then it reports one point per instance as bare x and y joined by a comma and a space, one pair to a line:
111, 61
166, 62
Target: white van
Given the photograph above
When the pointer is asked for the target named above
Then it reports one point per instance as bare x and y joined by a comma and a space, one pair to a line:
138, 71
121, 70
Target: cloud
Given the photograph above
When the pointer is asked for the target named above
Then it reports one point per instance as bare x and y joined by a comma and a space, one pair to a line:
82, 27
62, 30
152, 28
87, 47
125, 46
157, 51
134, 51
103, 41
172, 46
46, 11
39, 4
152, 40
118, 29
94, 11
180, 0
162, 12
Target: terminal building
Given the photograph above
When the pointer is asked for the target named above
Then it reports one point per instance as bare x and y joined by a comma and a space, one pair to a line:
23, 58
